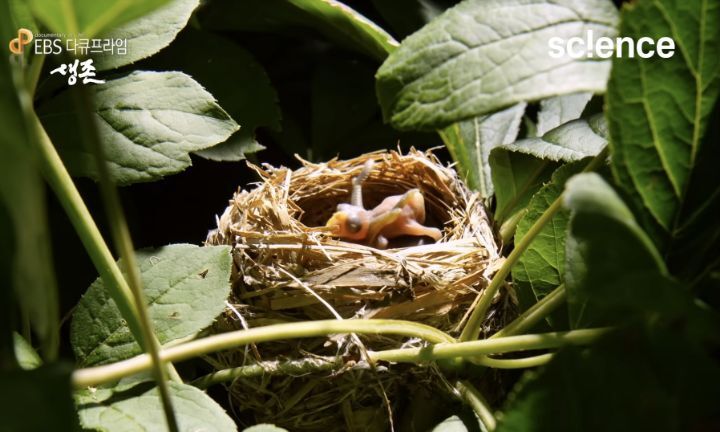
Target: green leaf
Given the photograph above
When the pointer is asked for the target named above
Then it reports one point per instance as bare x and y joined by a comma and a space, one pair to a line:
37, 400
519, 169
138, 407
148, 123
331, 18
148, 34
558, 110
451, 424
658, 108
604, 245
481, 55
471, 141
659, 378
185, 286
26, 356
239, 82
264, 428
89, 17
516, 177
22, 194
569, 142
541, 268
695, 248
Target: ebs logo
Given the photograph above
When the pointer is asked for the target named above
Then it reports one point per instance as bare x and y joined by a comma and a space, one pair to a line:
17, 45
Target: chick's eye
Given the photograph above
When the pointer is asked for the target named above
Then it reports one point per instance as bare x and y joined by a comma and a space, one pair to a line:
353, 224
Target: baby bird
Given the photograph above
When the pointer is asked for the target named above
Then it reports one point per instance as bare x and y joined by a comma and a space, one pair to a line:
395, 216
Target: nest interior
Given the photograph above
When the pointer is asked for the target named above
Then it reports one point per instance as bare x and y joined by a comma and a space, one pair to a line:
286, 262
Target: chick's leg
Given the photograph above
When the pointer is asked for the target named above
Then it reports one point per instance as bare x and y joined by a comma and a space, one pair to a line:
411, 227
379, 222
415, 200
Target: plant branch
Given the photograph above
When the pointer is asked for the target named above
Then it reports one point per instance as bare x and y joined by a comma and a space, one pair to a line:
527, 320
521, 363
490, 346
33, 72
271, 367
61, 183
471, 330
445, 345
100, 374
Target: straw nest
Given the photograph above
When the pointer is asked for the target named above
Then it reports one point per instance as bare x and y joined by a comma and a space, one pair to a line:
285, 261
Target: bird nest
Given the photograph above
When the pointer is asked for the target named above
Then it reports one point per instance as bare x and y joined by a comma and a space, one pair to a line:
288, 268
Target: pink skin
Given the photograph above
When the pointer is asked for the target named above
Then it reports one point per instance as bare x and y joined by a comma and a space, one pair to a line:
395, 216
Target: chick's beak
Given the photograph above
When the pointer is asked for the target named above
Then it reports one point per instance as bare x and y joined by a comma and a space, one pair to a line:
335, 222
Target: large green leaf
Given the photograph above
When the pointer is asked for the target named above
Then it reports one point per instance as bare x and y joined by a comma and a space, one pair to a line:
333, 19
148, 34
138, 408
541, 268
519, 169
603, 246
658, 108
26, 239
148, 123
185, 286
471, 141
231, 74
695, 249
89, 17
483, 55
37, 400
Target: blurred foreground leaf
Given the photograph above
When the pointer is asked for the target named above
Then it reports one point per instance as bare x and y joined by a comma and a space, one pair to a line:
37, 400
89, 18
148, 34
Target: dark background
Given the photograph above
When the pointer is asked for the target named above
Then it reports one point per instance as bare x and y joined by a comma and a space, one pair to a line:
182, 208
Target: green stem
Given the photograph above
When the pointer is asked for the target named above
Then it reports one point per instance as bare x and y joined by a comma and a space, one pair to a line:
472, 328
59, 180
101, 374
527, 320
272, 367
33, 73
508, 228
489, 346
123, 242
478, 403
521, 363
